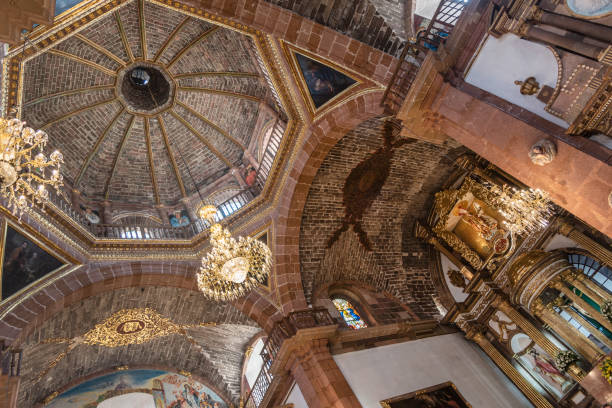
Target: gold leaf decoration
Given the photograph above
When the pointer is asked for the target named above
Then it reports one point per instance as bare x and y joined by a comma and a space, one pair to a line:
131, 326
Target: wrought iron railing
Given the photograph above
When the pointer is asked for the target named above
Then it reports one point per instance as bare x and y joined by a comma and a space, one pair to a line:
283, 330
226, 208
438, 31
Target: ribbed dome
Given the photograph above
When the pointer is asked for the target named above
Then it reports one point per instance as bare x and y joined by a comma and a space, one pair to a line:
135, 111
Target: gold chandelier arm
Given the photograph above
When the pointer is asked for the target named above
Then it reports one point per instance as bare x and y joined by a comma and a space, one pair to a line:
35, 177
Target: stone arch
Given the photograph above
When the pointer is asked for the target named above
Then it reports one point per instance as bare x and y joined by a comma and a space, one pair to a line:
81, 380
91, 279
320, 138
376, 307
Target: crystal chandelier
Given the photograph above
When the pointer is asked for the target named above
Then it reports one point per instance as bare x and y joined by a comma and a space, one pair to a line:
233, 267
525, 211
25, 171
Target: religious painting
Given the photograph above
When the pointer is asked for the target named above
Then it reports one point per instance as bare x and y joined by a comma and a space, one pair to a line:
540, 365
161, 389
92, 216
23, 262
324, 83
443, 395
471, 225
179, 218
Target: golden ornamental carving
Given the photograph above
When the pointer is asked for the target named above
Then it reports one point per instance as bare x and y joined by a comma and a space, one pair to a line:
446, 201
131, 326
123, 328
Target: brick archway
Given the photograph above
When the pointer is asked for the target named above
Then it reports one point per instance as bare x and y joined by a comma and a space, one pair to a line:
40, 306
321, 137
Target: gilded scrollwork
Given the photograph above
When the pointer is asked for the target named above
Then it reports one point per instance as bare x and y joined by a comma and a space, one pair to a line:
123, 328
444, 203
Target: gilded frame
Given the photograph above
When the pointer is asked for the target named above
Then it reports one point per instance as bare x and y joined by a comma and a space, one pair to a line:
290, 50
443, 204
43, 243
387, 403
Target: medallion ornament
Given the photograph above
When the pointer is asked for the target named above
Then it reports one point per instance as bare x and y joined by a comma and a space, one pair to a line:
123, 328
543, 152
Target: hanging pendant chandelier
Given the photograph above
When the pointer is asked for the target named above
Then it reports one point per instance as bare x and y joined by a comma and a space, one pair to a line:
25, 171
232, 268
525, 211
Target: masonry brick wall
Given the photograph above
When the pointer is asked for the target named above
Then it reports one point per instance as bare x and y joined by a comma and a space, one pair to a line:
219, 362
397, 264
372, 22
52, 78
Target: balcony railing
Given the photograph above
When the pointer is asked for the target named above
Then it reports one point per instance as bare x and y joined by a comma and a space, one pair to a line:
283, 330
444, 20
226, 208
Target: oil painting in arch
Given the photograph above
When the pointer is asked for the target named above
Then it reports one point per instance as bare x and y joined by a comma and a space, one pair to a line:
540, 365
24, 260
438, 396
321, 82
142, 388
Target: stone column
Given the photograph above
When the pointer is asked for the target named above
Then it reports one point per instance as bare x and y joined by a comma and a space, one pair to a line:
250, 159
536, 335
76, 199
582, 303
107, 213
569, 333
532, 33
163, 214
534, 396
9, 389
320, 380
236, 173
596, 333
189, 209
584, 27
577, 279
587, 243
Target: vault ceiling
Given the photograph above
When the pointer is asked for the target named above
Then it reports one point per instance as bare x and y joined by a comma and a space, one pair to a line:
218, 359
146, 144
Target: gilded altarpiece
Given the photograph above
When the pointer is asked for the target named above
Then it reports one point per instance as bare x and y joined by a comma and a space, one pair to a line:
469, 223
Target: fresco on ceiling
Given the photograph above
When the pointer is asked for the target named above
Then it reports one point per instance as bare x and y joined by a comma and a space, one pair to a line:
323, 82
169, 390
23, 262
590, 8
63, 5
439, 396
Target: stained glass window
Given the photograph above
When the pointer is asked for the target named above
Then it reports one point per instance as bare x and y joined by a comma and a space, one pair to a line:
349, 313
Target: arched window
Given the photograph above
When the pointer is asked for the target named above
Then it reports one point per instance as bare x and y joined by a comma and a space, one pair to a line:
349, 313
598, 273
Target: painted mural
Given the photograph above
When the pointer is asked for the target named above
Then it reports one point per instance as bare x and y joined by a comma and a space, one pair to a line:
168, 390
323, 82
23, 262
